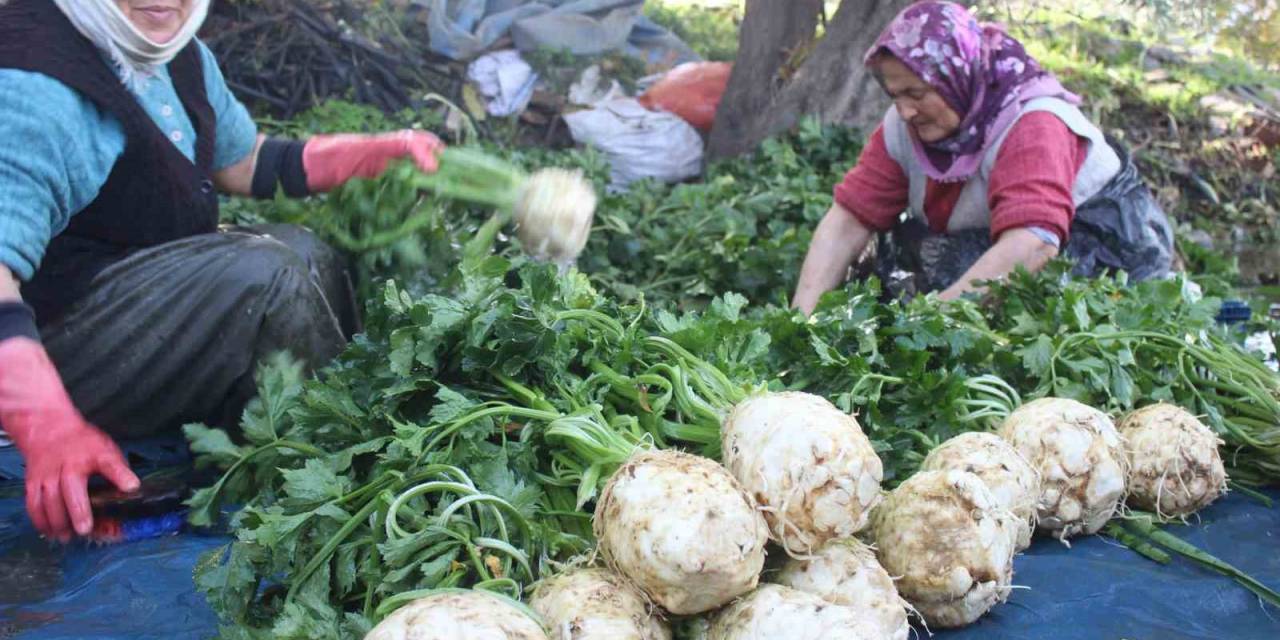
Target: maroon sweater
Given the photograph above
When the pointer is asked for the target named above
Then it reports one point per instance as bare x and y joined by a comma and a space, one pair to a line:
1030, 185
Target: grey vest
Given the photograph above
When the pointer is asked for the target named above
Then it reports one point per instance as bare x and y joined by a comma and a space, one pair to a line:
972, 210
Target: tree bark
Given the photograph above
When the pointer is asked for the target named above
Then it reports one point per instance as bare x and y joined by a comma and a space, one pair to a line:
781, 75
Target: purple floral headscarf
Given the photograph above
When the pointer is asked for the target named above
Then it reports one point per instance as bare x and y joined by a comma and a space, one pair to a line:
983, 73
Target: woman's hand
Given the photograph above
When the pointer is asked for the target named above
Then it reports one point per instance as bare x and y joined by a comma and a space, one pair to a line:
329, 161
332, 160
1016, 247
839, 240
60, 449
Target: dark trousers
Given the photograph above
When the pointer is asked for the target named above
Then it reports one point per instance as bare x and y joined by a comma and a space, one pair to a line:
173, 334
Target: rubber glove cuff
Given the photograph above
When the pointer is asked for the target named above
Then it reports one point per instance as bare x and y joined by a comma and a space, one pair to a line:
332, 160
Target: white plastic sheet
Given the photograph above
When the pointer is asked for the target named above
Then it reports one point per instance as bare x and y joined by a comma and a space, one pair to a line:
639, 143
505, 80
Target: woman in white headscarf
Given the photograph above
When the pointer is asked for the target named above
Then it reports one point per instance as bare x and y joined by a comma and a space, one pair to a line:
123, 310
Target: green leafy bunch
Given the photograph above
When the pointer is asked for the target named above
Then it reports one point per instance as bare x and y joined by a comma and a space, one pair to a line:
458, 442
745, 228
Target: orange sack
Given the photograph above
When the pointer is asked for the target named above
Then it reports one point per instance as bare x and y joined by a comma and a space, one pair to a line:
691, 91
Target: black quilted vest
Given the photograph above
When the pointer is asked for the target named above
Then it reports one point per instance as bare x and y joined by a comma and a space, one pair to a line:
153, 195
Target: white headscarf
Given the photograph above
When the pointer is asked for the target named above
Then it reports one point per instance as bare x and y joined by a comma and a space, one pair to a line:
135, 55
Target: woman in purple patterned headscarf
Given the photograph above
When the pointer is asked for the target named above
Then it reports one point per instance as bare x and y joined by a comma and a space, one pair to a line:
994, 163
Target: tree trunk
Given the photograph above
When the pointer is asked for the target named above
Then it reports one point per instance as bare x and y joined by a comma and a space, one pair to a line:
781, 75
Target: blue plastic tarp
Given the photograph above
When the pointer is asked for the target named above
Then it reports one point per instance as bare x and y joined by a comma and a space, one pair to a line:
1098, 589
141, 590
1094, 590
464, 29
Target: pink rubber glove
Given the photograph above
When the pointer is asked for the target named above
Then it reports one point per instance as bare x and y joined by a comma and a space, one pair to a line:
61, 450
331, 160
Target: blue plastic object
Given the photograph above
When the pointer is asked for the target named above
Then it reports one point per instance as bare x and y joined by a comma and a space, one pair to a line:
148, 528
1234, 312
132, 530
